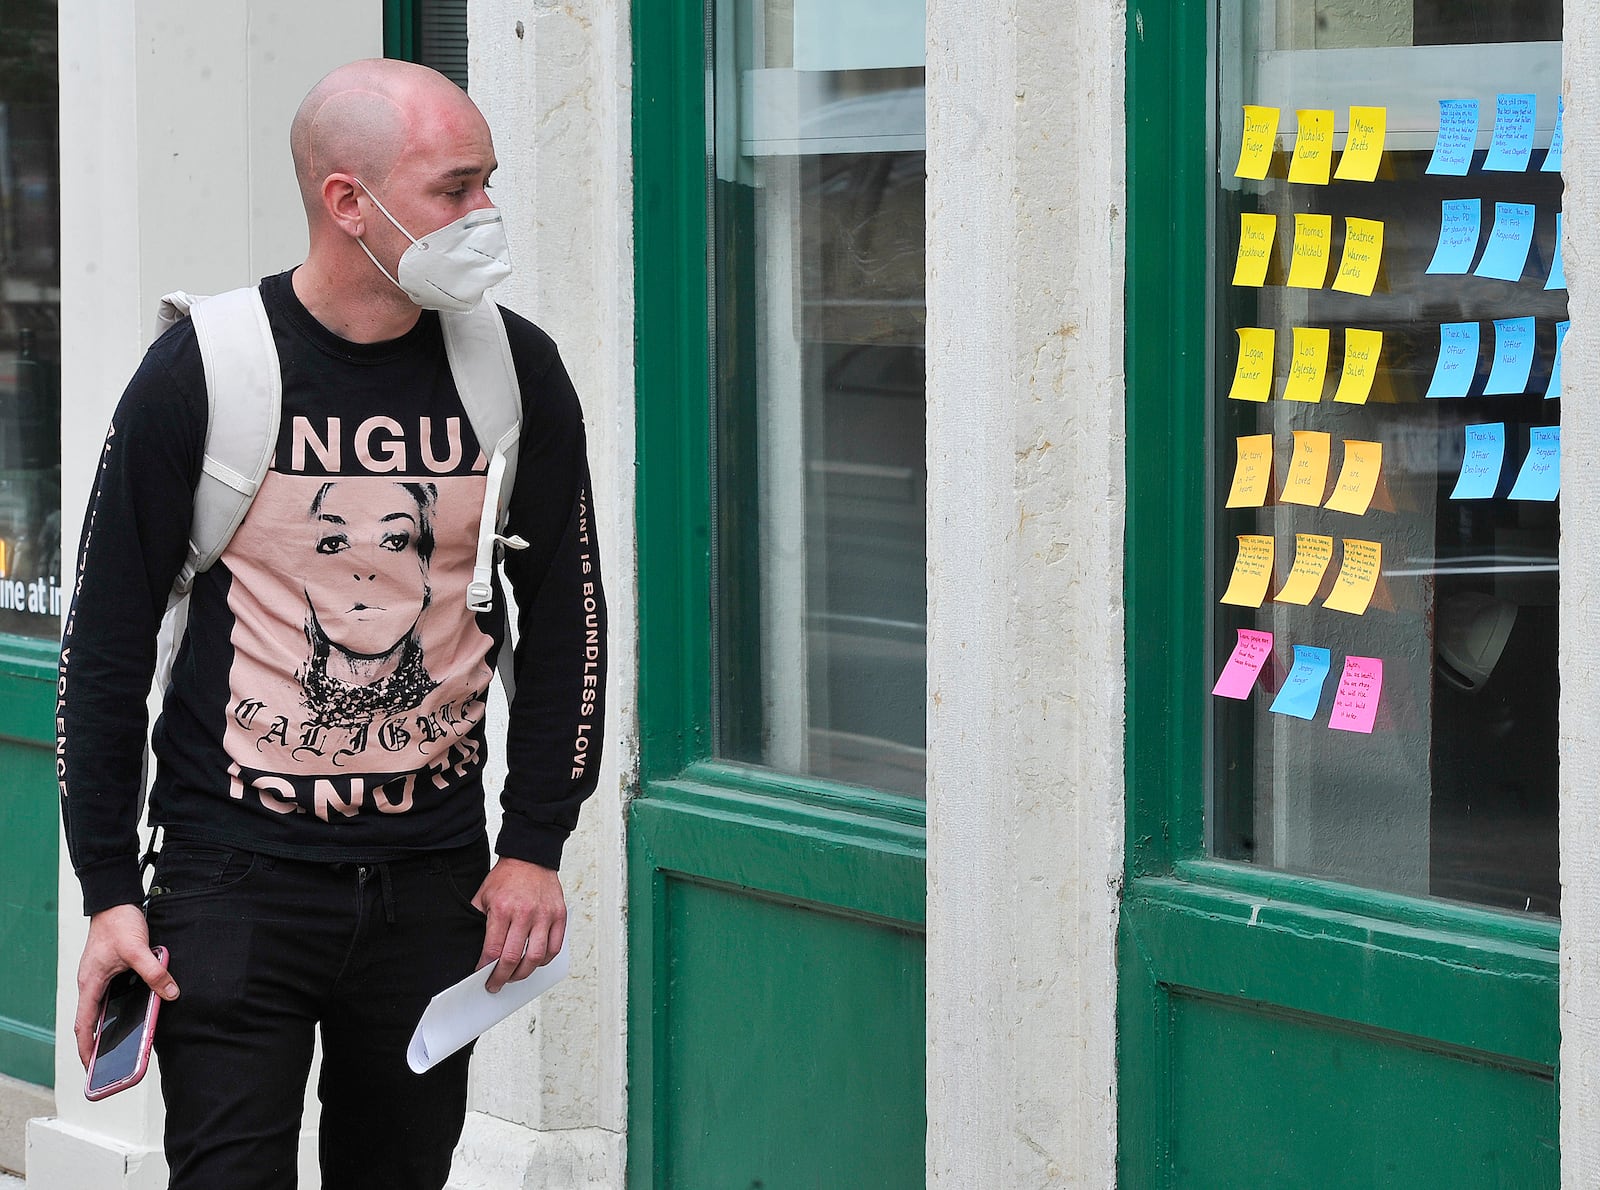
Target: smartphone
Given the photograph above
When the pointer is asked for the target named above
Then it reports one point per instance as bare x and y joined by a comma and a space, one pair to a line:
123, 1034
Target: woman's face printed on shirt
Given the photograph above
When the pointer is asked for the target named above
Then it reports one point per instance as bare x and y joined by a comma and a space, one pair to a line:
367, 578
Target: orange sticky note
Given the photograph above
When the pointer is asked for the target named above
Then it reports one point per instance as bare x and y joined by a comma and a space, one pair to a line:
1362, 351
1252, 376
1312, 553
1313, 147
1308, 364
1252, 571
1252, 472
1363, 144
1313, 234
1358, 478
1260, 138
1308, 468
1363, 251
1256, 233
1358, 577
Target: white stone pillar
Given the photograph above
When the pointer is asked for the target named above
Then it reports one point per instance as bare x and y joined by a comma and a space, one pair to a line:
175, 173
1025, 648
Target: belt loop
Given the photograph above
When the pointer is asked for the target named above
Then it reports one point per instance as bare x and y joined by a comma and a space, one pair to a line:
388, 893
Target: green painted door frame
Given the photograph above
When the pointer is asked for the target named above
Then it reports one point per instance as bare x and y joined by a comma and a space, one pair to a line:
776, 1023
1274, 1030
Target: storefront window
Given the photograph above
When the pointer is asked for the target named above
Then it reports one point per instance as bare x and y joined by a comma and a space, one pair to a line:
30, 323
818, 316
1385, 444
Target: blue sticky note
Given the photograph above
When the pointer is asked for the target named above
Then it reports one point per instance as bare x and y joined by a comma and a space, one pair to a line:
1540, 477
1480, 463
1458, 136
1458, 360
1513, 356
1552, 159
1558, 271
1509, 242
1512, 143
1459, 223
1302, 689
1553, 389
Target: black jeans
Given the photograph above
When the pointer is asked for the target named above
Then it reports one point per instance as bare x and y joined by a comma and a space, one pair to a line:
265, 950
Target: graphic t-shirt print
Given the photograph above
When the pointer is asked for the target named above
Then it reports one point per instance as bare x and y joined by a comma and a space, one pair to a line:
358, 670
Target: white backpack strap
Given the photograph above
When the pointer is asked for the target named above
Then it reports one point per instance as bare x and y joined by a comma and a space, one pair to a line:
173, 309
244, 394
486, 378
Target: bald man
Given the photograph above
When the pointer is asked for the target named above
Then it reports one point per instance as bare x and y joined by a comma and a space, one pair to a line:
319, 783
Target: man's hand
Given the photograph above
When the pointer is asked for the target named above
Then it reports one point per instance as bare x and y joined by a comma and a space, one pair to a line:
118, 939
527, 914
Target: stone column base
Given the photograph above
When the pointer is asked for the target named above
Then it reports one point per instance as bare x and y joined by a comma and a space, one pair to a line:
495, 1154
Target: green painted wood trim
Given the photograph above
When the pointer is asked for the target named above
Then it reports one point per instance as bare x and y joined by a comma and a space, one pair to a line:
27, 1052
400, 29
28, 689
809, 791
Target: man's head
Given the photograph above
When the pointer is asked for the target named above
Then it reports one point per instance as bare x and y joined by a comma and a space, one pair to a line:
389, 132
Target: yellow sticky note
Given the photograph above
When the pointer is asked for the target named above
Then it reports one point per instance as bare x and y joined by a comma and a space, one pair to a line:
1312, 553
1252, 472
1252, 571
1358, 478
1308, 364
1252, 377
1358, 577
1313, 147
1255, 248
1312, 236
1260, 138
1362, 351
1363, 250
1308, 468
1363, 145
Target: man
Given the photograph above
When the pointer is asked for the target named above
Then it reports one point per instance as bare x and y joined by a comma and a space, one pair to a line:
324, 862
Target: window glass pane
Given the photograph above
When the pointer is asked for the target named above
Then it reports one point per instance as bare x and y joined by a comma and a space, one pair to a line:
818, 313
30, 323
1385, 444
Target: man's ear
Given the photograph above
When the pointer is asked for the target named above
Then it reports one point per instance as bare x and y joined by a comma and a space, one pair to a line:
339, 195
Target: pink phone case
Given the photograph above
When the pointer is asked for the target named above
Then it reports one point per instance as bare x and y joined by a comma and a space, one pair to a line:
147, 1036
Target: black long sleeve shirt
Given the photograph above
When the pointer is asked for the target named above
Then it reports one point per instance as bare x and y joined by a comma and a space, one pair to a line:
328, 700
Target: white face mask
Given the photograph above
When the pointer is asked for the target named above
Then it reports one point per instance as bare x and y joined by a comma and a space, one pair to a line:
451, 268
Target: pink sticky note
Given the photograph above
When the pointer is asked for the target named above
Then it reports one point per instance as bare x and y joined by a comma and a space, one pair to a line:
1244, 667
1356, 705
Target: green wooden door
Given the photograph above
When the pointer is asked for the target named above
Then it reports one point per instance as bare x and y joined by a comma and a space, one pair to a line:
1330, 982
776, 1024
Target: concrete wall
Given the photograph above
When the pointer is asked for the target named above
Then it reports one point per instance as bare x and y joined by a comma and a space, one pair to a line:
1025, 483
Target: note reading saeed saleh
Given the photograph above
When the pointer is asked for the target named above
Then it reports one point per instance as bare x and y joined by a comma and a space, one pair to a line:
1252, 571
1312, 553
1358, 577
1363, 145
1260, 138
1244, 664
1460, 221
1540, 477
1313, 147
1458, 360
1308, 468
1363, 252
1313, 235
1252, 473
1252, 376
1511, 147
1513, 357
1355, 704
1509, 241
1485, 451
1256, 233
1358, 478
1558, 271
1458, 136
1302, 689
1362, 351
1553, 389
1552, 157
1308, 364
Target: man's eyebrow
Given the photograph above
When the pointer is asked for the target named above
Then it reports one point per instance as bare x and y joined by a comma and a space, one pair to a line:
467, 171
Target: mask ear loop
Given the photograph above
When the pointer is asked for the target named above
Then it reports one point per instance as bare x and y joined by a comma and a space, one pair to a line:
360, 240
